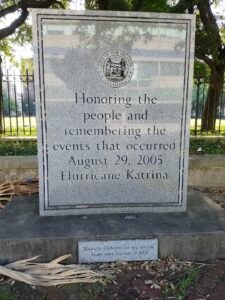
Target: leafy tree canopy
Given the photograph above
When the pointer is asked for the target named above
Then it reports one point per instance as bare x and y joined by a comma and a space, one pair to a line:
14, 24
209, 46
210, 29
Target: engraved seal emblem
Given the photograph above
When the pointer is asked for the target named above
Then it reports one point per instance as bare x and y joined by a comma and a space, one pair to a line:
115, 68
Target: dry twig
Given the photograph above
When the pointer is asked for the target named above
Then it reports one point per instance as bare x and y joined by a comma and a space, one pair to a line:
52, 273
17, 188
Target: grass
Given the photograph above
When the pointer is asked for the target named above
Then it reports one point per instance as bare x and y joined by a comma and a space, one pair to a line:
12, 122
5, 294
180, 288
21, 132
220, 127
20, 126
185, 283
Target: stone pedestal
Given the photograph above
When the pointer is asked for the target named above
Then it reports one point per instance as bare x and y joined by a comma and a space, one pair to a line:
198, 234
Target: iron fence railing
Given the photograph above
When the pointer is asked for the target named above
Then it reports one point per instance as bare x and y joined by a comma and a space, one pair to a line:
18, 106
18, 103
200, 92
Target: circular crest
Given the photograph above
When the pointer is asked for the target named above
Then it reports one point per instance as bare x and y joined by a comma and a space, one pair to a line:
115, 68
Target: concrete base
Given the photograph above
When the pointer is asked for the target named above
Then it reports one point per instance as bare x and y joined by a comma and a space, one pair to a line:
198, 234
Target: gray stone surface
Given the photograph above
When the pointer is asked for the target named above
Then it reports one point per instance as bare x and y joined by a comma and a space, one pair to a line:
117, 250
204, 170
18, 167
198, 234
207, 161
207, 170
113, 110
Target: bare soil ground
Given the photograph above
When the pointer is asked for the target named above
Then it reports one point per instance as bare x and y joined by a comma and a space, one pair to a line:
164, 279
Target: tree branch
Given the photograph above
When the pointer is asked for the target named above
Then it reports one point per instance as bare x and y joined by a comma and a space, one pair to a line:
8, 10
138, 4
23, 5
15, 24
208, 19
206, 59
35, 3
59, 4
222, 54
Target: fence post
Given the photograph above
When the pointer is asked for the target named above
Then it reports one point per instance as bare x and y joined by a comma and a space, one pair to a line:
197, 104
1, 98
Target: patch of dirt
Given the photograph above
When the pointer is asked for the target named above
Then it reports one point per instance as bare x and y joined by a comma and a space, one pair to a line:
163, 279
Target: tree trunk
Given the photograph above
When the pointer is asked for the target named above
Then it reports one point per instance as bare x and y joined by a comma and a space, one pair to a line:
213, 100
102, 4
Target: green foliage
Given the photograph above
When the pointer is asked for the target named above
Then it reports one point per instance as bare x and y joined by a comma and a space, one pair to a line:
18, 148
22, 34
26, 65
120, 5
178, 290
185, 283
208, 146
5, 47
126, 5
20, 132
206, 43
63, 4
154, 6
201, 69
90, 4
5, 294
5, 3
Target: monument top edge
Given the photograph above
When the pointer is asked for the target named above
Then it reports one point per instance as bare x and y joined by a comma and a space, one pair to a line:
106, 13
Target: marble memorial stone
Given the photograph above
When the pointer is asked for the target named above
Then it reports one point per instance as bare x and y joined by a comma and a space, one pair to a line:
122, 250
113, 96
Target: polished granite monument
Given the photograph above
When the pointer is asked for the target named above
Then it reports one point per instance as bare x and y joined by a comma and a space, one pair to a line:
113, 96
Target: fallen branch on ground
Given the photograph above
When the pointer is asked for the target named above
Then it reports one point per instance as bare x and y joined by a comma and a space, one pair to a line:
17, 188
52, 273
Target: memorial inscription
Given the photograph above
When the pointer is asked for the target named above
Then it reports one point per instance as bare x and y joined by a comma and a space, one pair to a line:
123, 250
112, 110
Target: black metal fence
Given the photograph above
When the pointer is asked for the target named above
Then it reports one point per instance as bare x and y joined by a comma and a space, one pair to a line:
200, 92
18, 102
